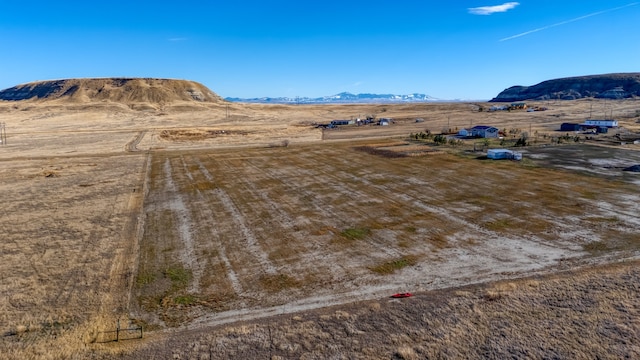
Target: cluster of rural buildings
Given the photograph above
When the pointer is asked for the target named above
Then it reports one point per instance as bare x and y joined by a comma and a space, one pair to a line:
488, 132
335, 123
517, 106
595, 126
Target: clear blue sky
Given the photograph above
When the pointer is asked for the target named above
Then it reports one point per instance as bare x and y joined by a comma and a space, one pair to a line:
448, 49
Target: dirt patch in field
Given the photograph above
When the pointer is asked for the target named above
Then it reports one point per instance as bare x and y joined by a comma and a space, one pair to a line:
399, 150
198, 134
607, 162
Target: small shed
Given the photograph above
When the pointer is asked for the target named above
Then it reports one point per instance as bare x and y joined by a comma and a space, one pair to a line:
501, 154
464, 133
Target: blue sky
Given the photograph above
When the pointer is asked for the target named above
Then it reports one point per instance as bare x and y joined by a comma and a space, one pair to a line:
448, 49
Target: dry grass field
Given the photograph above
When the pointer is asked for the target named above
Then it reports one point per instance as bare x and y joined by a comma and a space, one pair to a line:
243, 231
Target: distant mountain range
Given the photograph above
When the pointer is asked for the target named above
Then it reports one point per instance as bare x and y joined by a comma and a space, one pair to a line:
342, 98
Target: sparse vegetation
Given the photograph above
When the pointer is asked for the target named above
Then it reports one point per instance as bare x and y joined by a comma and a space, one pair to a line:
279, 282
355, 233
440, 139
265, 231
390, 267
185, 300
179, 276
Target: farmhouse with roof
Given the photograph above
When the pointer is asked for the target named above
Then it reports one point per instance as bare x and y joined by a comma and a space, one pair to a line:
484, 131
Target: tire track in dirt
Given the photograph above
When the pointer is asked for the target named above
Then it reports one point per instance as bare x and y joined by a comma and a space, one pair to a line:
626, 216
327, 268
177, 205
300, 305
222, 252
188, 173
132, 145
251, 175
334, 178
137, 204
247, 236
324, 257
116, 301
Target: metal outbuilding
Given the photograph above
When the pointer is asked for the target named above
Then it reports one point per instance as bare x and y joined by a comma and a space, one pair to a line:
500, 154
605, 123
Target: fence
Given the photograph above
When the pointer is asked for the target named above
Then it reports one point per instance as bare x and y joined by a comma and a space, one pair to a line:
120, 334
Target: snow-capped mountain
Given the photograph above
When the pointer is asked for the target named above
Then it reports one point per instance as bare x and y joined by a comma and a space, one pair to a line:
341, 98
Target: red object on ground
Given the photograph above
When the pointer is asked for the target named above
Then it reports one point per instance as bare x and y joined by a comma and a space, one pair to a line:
401, 295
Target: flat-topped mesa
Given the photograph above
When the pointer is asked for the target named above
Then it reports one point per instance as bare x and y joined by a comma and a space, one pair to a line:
607, 86
120, 90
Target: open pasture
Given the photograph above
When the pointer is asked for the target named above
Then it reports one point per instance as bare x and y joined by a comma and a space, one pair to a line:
193, 219
254, 229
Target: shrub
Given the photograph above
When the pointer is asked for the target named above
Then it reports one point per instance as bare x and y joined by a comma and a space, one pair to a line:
394, 265
355, 233
440, 139
179, 276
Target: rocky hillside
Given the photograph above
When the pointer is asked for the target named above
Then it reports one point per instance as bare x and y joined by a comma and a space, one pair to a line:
122, 90
608, 86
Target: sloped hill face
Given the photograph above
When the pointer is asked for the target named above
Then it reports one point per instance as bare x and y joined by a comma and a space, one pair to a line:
609, 86
122, 90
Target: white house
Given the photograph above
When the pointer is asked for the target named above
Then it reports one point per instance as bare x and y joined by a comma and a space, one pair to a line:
484, 131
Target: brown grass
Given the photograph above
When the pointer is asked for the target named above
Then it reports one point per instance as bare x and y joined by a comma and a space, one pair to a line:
571, 315
263, 224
